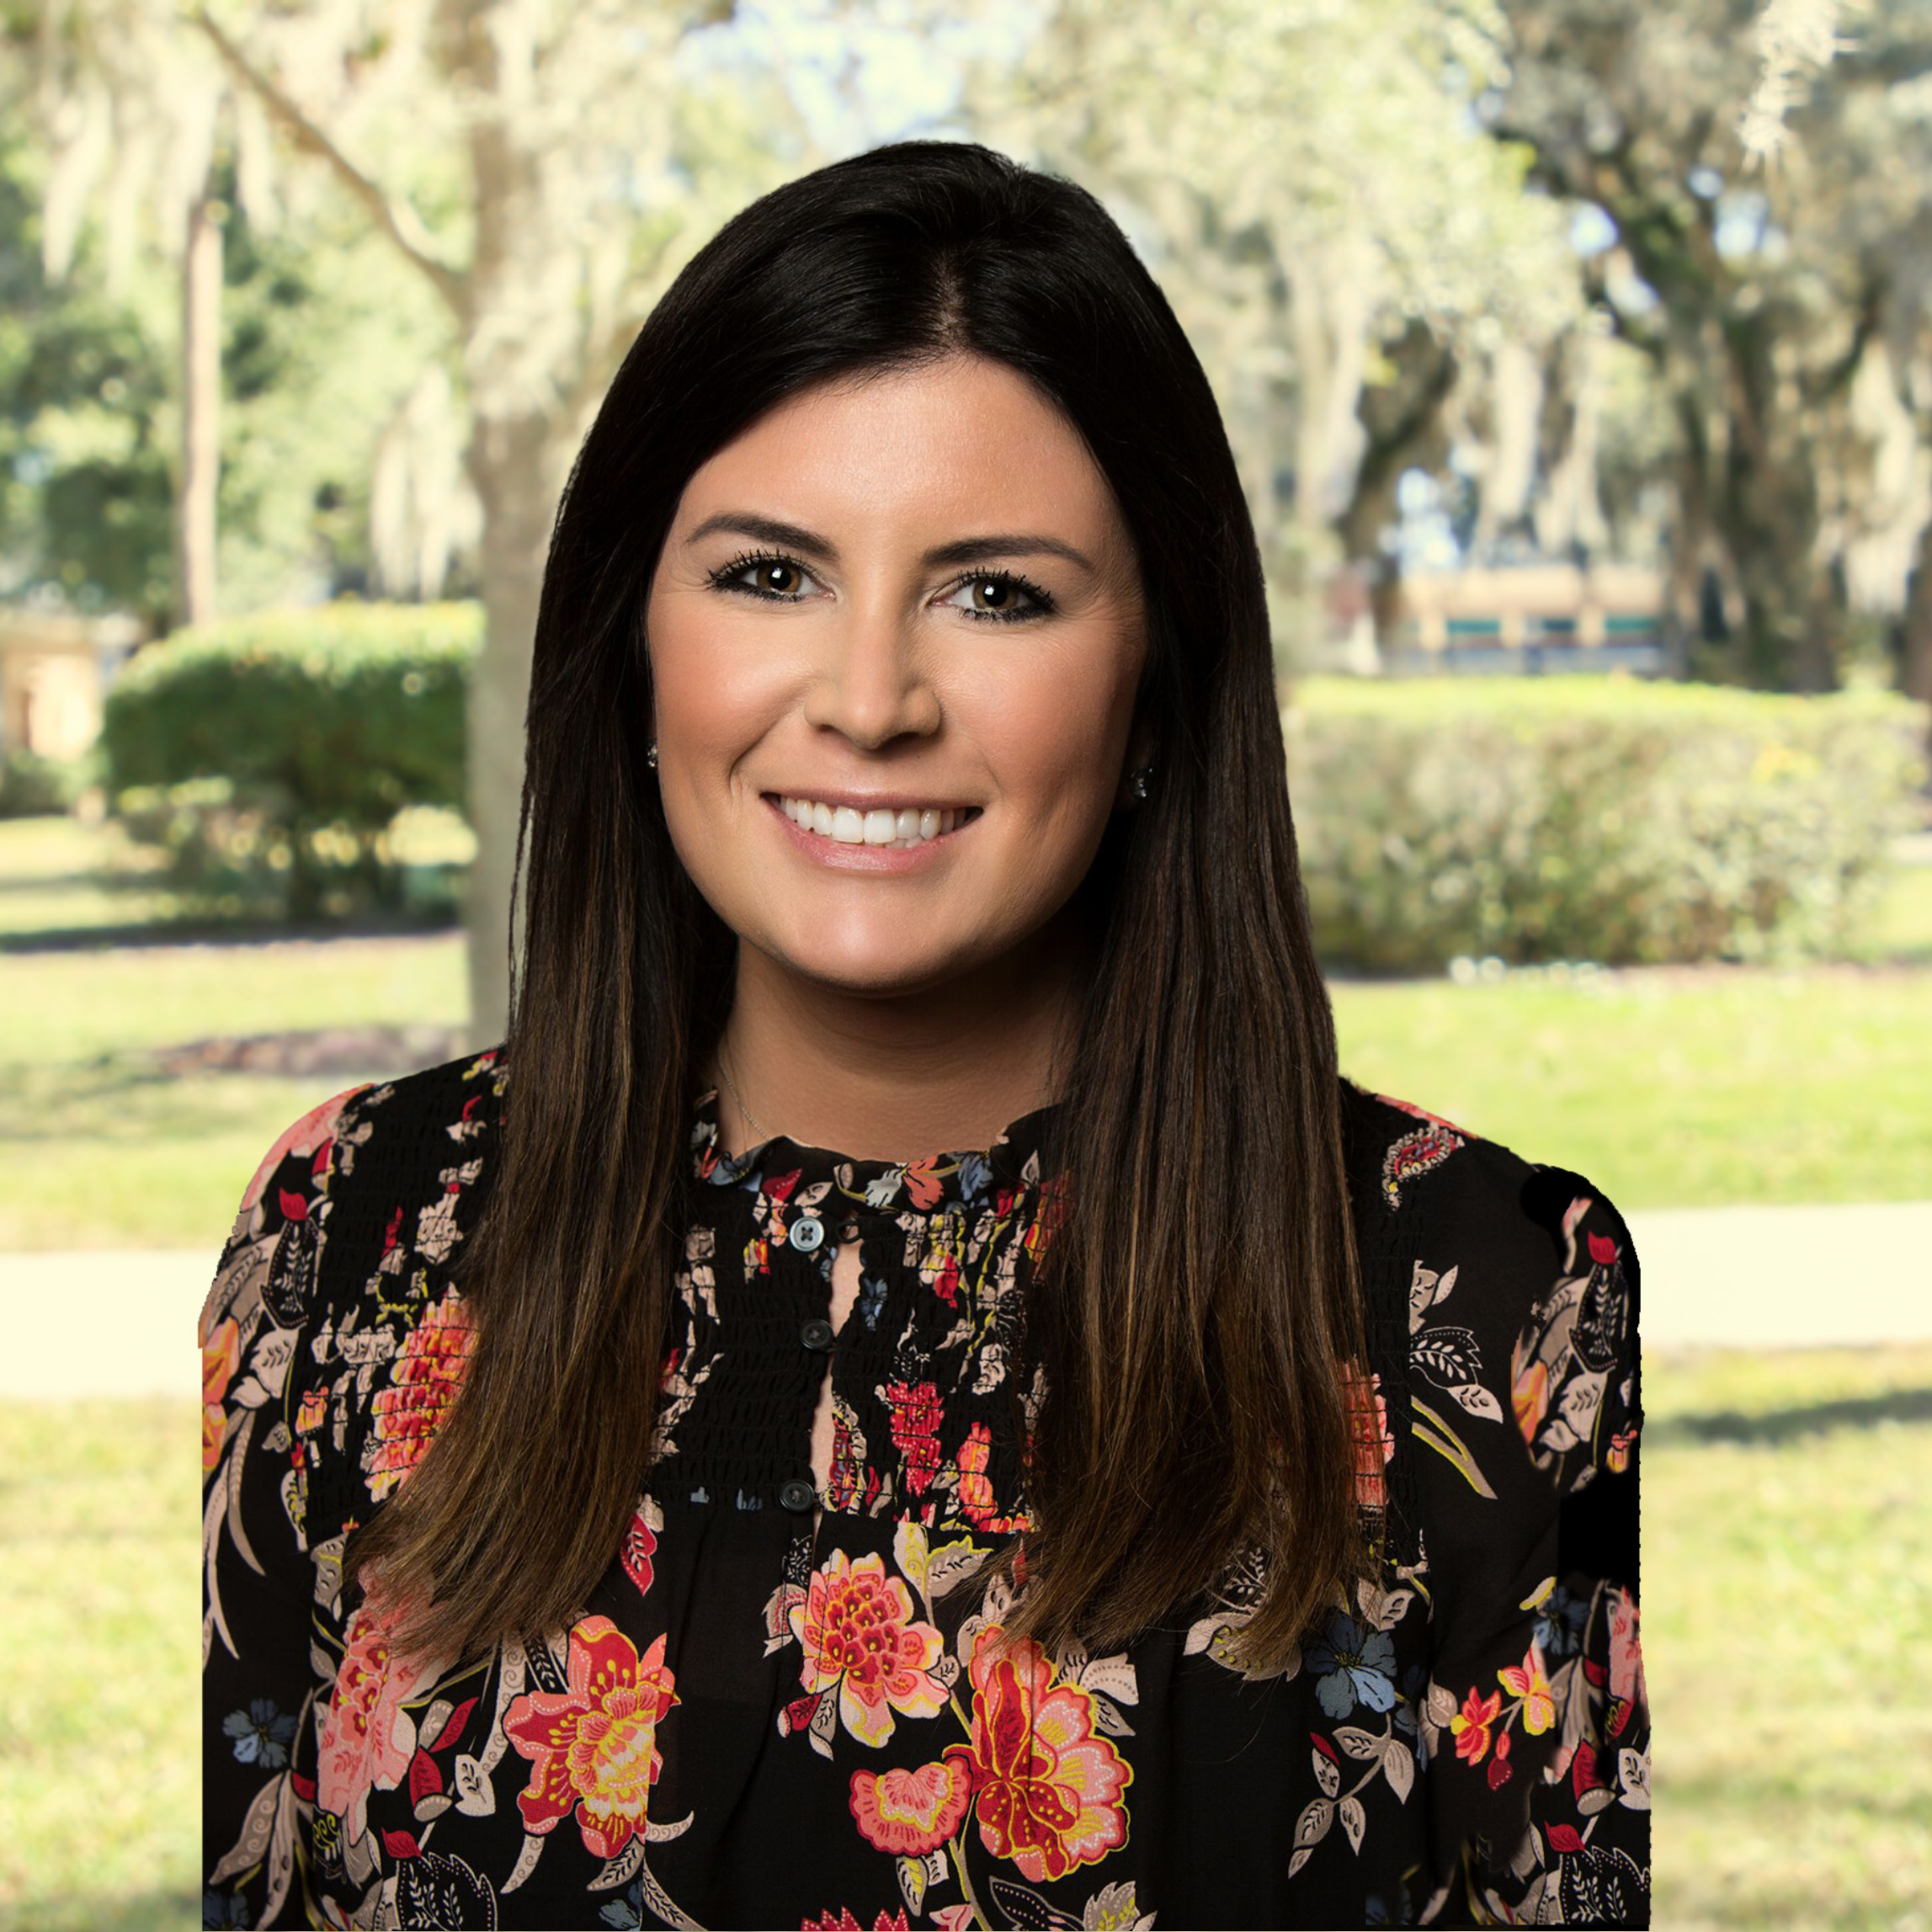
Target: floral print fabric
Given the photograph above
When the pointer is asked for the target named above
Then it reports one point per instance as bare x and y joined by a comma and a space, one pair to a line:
751, 1724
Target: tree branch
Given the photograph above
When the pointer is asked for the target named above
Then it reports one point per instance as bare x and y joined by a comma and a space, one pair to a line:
396, 219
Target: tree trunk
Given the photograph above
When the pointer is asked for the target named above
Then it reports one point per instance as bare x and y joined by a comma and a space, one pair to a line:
1915, 665
510, 461
200, 411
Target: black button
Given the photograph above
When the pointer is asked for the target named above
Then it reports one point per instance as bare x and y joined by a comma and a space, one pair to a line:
797, 1497
815, 1334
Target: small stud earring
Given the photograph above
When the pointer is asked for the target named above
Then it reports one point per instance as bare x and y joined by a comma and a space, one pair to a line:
1140, 780
651, 756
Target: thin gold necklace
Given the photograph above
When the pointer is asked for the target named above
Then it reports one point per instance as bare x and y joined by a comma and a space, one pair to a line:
731, 1085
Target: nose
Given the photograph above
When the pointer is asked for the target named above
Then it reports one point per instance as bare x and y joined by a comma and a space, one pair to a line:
876, 685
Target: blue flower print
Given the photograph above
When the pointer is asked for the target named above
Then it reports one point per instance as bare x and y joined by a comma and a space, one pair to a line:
1414, 1689
871, 1299
623, 1913
1559, 1627
262, 1734
1353, 1666
975, 1176
224, 1910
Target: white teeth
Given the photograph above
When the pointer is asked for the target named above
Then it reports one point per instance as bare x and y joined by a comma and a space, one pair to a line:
903, 829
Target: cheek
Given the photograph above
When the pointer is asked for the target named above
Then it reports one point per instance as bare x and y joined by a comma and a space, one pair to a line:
709, 697
1056, 738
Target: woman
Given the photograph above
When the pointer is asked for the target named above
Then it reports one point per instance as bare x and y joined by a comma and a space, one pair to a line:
1103, 1469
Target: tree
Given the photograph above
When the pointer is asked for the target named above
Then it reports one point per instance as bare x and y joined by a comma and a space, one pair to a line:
545, 169
321, 336
1758, 295
1335, 233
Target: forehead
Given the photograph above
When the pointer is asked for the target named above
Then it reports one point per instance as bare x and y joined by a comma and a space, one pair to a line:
962, 438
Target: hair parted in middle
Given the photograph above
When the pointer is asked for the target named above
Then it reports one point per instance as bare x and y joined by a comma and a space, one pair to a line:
1198, 1311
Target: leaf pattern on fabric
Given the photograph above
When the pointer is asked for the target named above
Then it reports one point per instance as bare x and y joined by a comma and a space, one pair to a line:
752, 1722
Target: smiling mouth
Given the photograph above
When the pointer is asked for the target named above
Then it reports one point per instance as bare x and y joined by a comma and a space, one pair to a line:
900, 830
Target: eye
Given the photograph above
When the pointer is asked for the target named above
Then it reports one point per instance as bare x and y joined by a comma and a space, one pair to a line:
1000, 595
763, 573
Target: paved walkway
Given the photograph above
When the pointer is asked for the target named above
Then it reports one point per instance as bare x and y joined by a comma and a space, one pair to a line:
1752, 1277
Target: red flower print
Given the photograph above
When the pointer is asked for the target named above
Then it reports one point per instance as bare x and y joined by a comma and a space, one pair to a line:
1584, 1769
1471, 1725
220, 1356
312, 1137
910, 1812
846, 1923
915, 1413
1045, 1784
423, 1382
640, 1545
860, 1638
1500, 1769
1051, 1216
1603, 1250
368, 1737
921, 1182
1375, 1440
975, 1494
1626, 1655
594, 1746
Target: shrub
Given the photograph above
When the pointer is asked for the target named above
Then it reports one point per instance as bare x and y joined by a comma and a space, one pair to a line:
1546, 819
270, 755
35, 787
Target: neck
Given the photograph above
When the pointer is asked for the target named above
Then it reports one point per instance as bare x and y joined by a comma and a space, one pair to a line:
896, 1077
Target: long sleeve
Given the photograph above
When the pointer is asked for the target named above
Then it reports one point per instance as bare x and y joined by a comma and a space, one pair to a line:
258, 1587
1537, 1722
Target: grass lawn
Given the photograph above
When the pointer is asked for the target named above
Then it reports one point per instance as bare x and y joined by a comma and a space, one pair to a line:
98, 1149
1787, 1586
57, 875
1793, 1763
1666, 1087
99, 1712
1672, 1088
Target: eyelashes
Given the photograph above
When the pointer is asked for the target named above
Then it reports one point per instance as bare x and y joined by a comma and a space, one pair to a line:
729, 579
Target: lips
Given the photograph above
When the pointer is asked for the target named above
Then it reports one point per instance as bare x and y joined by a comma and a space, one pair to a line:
900, 826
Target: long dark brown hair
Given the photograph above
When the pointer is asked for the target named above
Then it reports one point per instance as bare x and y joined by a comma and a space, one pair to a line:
1198, 1304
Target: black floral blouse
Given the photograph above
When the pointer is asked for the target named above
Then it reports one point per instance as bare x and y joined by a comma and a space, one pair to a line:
749, 1724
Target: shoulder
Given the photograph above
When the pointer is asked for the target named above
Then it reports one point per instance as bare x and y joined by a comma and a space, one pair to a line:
1520, 1283
347, 1184
335, 1300
1425, 1175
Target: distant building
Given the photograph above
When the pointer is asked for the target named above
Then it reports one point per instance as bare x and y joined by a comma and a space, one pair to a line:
1530, 619
54, 668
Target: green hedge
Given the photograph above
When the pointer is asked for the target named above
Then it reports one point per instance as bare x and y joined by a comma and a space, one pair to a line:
35, 787
270, 755
1600, 819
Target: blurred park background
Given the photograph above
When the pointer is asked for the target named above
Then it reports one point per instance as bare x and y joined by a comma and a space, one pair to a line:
1578, 355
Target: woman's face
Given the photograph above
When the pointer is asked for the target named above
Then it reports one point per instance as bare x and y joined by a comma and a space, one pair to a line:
911, 594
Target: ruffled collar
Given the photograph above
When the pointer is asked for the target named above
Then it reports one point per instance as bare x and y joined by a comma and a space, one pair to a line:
778, 1168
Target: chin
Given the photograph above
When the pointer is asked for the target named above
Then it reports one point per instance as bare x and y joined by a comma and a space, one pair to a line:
881, 970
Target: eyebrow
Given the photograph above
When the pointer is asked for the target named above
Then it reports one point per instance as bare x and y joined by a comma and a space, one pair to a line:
964, 550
